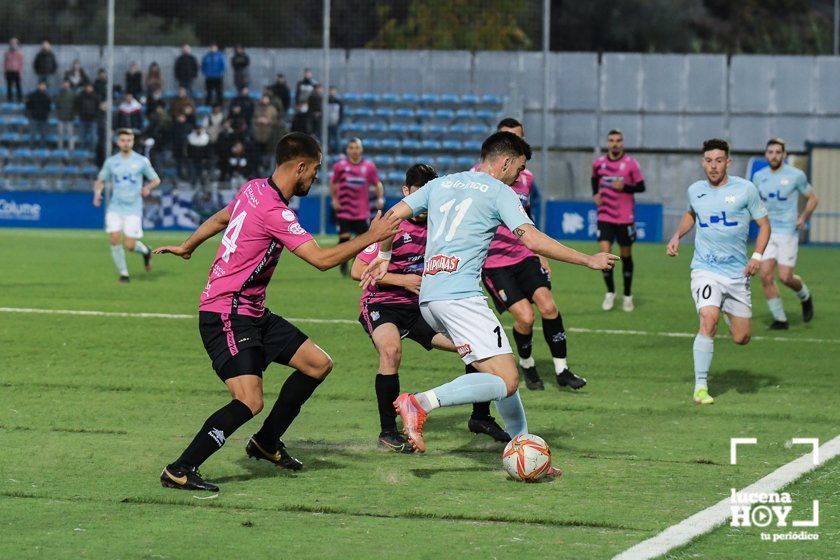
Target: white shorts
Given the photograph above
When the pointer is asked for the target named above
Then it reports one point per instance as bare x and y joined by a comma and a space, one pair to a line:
470, 324
732, 295
129, 224
783, 248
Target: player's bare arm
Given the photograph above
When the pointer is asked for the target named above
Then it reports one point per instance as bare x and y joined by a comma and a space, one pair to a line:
381, 227
810, 205
334, 196
379, 266
380, 195
760, 245
98, 187
542, 244
686, 223
410, 282
213, 225
147, 188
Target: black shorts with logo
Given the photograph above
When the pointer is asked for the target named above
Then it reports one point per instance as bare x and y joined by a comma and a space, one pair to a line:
625, 234
510, 284
406, 318
356, 227
241, 344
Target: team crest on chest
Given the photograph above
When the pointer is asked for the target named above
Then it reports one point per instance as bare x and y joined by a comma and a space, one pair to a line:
730, 199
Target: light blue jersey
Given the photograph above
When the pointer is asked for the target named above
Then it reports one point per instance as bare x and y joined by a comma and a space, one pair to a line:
126, 174
723, 221
780, 191
464, 211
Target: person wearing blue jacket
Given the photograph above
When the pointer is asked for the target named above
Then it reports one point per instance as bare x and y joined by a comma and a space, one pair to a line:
213, 67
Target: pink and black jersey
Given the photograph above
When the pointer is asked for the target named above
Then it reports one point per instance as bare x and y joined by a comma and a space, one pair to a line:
261, 225
354, 181
407, 255
617, 207
506, 249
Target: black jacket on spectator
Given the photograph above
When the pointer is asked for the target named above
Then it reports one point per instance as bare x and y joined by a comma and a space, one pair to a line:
100, 87
245, 103
186, 68
38, 105
282, 91
240, 61
87, 106
45, 63
134, 84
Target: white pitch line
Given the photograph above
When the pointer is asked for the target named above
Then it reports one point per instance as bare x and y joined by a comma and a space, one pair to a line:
716, 515
583, 330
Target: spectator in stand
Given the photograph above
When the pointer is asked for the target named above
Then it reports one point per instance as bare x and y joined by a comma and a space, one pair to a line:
281, 96
45, 65
102, 133
154, 100
240, 63
316, 110
189, 112
65, 110
214, 122
305, 87
180, 102
130, 113
244, 101
186, 69
205, 203
198, 148
76, 76
236, 165
154, 79
213, 67
134, 81
38, 106
237, 119
301, 121
335, 115
100, 84
87, 107
13, 66
178, 140
266, 128
160, 127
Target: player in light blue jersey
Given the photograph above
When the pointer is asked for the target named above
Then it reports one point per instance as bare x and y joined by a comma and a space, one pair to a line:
124, 214
780, 186
464, 210
722, 207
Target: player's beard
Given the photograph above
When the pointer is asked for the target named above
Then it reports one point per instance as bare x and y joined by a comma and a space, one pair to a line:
302, 187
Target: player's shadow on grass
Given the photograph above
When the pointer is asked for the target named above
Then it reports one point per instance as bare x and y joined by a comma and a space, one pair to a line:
263, 469
742, 381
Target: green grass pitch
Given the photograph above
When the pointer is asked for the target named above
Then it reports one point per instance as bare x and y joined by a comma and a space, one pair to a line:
91, 408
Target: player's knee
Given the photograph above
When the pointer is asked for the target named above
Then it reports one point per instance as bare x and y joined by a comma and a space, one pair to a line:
548, 309
511, 385
525, 316
254, 402
391, 354
766, 276
129, 244
741, 338
322, 367
708, 326
786, 277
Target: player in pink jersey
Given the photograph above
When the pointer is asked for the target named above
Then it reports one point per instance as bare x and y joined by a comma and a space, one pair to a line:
241, 336
516, 278
390, 311
616, 179
350, 185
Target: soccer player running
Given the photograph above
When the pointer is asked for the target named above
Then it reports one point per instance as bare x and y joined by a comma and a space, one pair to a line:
390, 311
241, 336
780, 186
722, 207
616, 179
516, 278
350, 185
464, 211
124, 214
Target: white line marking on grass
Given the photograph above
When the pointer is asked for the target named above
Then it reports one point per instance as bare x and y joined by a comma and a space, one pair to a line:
582, 330
716, 515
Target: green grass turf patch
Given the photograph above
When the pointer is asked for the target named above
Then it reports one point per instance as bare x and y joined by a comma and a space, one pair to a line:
91, 408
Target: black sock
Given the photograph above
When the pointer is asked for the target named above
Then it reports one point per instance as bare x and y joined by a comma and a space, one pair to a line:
555, 336
523, 343
295, 391
387, 391
627, 269
214, 432
608, 280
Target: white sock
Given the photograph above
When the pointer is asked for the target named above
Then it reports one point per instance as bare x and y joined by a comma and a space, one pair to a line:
560, 365
427, 400
140, 248
118, 254
803, 294
776, 309
704, 349
527, 362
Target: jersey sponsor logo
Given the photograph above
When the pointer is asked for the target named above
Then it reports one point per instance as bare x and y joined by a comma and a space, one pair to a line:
458, 184
252, 198
715, 219
463, 349
288, 215
297, 229
777, 195
441, 263
218, 271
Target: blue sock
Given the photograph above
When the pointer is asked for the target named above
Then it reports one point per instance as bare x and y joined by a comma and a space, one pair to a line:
513, 414
704, 349
466, 389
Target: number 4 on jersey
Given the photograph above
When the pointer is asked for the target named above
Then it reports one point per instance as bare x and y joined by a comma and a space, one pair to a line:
232, 233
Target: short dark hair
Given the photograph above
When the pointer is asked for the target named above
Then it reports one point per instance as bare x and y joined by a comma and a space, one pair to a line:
509, 122
297, 145
615, 131
505, 144
775, 140
419, 174
125, 132
716, 144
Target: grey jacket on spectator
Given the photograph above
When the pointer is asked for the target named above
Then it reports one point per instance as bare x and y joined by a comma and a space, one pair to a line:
65, 105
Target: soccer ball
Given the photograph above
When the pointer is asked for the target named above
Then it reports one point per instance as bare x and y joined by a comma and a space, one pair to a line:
526, 458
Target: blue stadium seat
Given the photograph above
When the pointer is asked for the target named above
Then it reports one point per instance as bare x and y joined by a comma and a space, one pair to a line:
458, 130
72, 170
451, 145
465, 114
391, 98
5, 121
445, 114
350, 111
4, 152
229, 94
469, 99
52, 169
62, 153
465, 162
354, 127
444, 162
403, 161
449, 99
435, 129
11, 137
88, 170
52, 121
410, 144
384, 160
373, 144
364, 112
390, 144
431, 145
203, 110
18, 120
490, 99
41, 153
170, 94
479, 129
486, 114
51, 138
471, 146
384, 113
425, 114
81, 154
377, 128
404, 113
396, 176
414, 128
430, 99
398, 128
22, 153
370, 98
11, 107
350, 97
